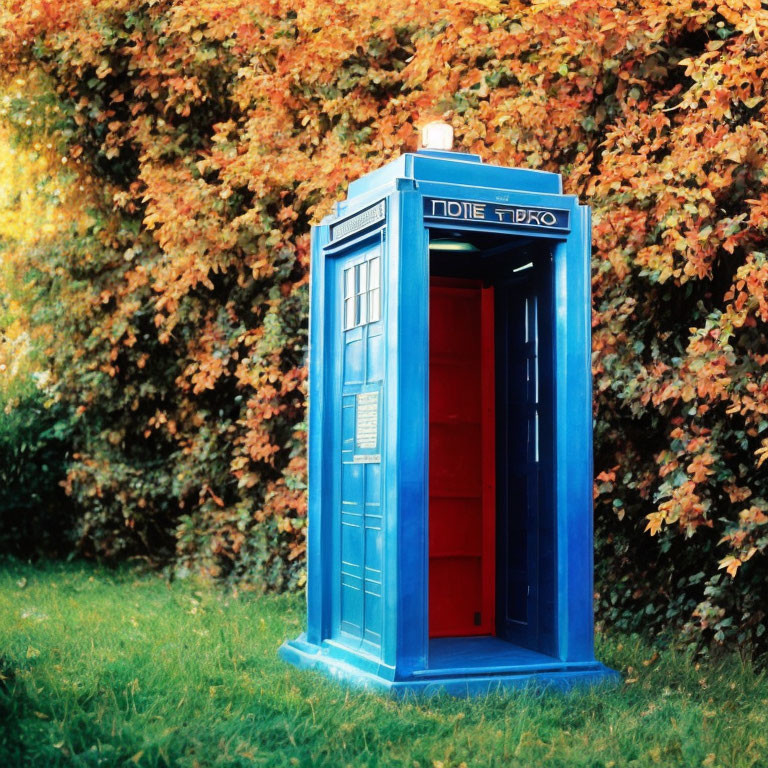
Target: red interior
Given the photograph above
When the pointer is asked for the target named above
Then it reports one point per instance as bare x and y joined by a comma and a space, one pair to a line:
461, 458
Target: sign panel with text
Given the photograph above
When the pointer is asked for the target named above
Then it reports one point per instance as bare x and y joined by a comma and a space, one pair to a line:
497, 214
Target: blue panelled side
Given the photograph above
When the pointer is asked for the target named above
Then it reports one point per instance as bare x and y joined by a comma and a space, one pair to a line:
369, 452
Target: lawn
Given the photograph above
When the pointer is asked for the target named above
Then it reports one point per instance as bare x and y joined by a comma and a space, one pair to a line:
116, 668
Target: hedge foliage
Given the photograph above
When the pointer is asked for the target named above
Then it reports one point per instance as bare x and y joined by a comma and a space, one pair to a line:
36, 516
208, 135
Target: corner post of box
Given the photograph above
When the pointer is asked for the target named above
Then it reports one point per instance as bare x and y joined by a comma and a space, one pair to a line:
318, 546
573, 392
410, 450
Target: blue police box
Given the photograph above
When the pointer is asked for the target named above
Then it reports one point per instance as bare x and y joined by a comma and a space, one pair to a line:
450, 432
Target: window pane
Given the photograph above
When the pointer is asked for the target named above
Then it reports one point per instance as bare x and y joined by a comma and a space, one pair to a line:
349, 313
348, 283
374, 267
362, 277
374, 299
362, 302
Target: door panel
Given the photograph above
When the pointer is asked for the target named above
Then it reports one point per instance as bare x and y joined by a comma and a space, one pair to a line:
525, 552
357, 611
461, 493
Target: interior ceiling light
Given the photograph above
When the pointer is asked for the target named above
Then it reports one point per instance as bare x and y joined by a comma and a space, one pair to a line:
448, 244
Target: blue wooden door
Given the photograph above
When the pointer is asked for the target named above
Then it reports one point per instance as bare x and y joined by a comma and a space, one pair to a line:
356, 312
525, 532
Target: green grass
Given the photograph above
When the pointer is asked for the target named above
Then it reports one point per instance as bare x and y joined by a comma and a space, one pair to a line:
105, 668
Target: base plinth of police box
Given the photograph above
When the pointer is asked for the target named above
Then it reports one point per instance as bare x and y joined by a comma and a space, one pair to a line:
469, 677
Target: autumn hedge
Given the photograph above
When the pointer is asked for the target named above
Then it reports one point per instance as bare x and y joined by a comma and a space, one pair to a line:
206, 136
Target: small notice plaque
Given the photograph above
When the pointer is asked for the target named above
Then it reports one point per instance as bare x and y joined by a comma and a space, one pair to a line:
505, 215
367, 421
366, 428
366, 458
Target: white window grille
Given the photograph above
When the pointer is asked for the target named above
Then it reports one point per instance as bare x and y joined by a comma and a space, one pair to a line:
362, 293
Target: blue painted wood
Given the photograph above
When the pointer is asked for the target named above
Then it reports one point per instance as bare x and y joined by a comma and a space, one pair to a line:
456, 680
358, 345
319, 578
448, 167
573, 469
450, 653
368, 556
521, 448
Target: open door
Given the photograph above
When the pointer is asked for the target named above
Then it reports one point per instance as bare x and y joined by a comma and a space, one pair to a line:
461, 458
525, 607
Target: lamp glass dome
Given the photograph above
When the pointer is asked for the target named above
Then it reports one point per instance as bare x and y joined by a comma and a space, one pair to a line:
437, 135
